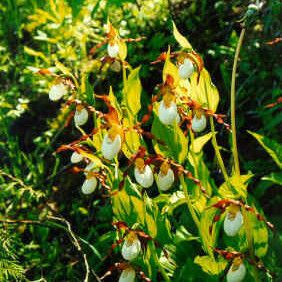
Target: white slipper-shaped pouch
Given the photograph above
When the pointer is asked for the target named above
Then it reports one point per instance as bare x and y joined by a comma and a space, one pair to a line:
57, 91
131, 247
127, 275
186, 69
80, 116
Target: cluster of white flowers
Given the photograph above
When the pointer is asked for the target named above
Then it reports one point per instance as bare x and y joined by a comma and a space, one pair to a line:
57, 91
144, 175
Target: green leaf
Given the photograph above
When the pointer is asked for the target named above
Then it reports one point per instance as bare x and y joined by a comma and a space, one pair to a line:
259, 230
132, 93
275, 177
132, 140
122, 50
34, 53
171, 134
128, 205
273, 148
184, 43
114, 102
200, 142
204, 91
63, 68
208, 230
175, 200
239, 184
170, 69
210, 265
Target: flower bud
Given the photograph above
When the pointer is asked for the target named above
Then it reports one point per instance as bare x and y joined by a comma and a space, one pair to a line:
165, 178
168, 114
233, 221
143, 173
113, 50
89, 185
186, 69
57, 91
237, 271
76, 158
80, 116
127, 275
199, 124
131, 247
110, 148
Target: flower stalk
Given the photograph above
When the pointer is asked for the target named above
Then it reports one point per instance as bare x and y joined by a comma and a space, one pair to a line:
233, 103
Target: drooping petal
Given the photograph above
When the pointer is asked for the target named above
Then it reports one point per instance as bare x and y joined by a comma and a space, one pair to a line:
57, 91
89, 185
144, 178
127, 275
164, 182
131, 249
199, 124
76, 157
168, 115
111, 148
236, 275
80, 117
232, 224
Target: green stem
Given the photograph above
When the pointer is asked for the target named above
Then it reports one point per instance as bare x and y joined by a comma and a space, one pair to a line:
157, 262
188, 200
192, 150
216, 147
233, 104
192, 138
218, 155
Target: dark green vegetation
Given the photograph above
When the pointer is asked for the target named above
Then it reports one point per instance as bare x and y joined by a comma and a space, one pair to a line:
36, 184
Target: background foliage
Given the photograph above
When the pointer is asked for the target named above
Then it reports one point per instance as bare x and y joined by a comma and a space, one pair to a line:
34, 179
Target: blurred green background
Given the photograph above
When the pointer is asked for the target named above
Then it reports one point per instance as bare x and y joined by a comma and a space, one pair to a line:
37, 34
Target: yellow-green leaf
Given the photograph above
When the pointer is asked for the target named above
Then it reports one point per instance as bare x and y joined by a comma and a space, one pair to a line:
204, 91
114, 102
209, 230
273, 148
170, 69
184, 43
63, 68
91, 157
34, 53
239, 185
122, 50
131, 142
132, 93
200, 142
210, 265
